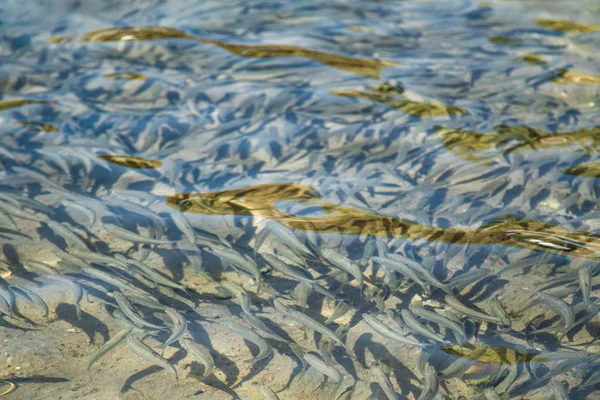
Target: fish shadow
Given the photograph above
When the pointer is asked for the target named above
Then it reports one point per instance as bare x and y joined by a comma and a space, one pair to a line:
128, 385
223, 363
88, 323
196, 371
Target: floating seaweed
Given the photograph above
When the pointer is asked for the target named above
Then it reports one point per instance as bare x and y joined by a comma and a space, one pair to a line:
473, 146
360, 66
390, 94
132, 162
567, 77
567, 26
38, 126
589, 170
126, 76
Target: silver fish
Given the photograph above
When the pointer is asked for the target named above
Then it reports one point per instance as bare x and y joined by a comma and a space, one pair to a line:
454, 303
301, 292
459, 283
184, 226
294, 272
34, 298
308, 322
133, 237
403, 270
112, 280
145, 352
127, 308
240, 294
71, 238
179, 326
264, 348
458, 368
412, 322
457, 329
498, 310
585, 281
490, 394
344, 263
96, 258
151, 273
268, 393
384, 381
7, 221
431, 384
237, 261
15, 210
106, 348
387, 332
562, 309
41, 268
260, 326
200, 353
419, 269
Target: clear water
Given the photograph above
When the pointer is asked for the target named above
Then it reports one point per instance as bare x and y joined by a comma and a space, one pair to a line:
460, 134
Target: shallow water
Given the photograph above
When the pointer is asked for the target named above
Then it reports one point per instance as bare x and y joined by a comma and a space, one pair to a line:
461, 136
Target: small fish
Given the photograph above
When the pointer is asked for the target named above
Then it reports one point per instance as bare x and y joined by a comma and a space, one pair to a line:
127, 308
301, 292
106, 348
559, 390
404, 271
339, 310
72, 239
40, 268
282, 234
237, 261
387, 332
179, 326
458, 368
184, 226
498, 310
88, 212
264, 349
490, 394
454, 303
260, 326
17, 211
96, 258
431, 384
458, 329
34, 298
268, 393
296, 273
112, 280
562, 309
133, 237
585, 281
384, 381
411, 321
419, 269
6, 221
344, 263
125, 323
200, 353
461, 282
145, 352
239, 293
308, 322
151, 272
323, 368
